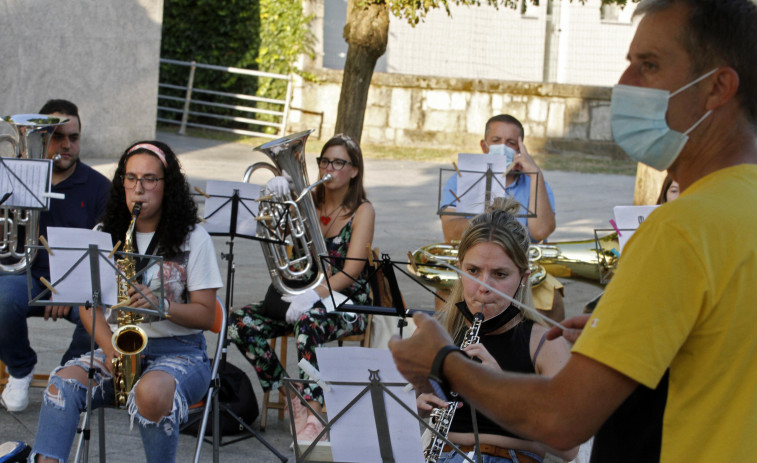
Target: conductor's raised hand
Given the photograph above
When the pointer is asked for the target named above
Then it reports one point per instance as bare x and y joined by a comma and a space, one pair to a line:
413, 356
574, 327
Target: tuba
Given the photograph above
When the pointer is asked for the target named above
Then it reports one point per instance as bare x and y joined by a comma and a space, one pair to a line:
129, 340
28, 139
592, 260
293, 240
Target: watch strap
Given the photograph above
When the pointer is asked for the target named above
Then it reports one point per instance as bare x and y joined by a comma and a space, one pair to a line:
435, 377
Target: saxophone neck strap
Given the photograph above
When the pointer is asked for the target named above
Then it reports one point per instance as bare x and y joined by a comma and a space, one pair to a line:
143, 261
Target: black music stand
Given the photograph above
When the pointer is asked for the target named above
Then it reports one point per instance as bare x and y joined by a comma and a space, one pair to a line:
385, 266
490, 178
377, 391
31, 177
93, 254
235, 200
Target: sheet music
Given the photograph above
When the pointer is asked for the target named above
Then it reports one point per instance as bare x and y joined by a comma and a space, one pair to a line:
77, 286
27, 180
218, 207
628, 219
473, 202
353, 437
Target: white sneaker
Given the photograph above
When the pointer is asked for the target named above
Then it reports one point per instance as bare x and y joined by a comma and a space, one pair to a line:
16, 393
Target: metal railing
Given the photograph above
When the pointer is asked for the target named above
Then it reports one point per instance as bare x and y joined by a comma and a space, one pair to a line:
245, 115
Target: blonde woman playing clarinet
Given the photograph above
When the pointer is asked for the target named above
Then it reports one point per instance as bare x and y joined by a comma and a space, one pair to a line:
493, 249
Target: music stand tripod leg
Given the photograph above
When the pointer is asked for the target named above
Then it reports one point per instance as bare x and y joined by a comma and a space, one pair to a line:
82, 449
230, 273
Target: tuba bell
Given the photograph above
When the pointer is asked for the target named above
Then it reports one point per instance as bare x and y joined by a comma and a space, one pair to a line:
592, 260
28, 136
293, 239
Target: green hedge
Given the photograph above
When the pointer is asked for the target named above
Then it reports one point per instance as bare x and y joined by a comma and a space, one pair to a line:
267, 35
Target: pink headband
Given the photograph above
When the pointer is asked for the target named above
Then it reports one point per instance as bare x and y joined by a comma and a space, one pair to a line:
151, 148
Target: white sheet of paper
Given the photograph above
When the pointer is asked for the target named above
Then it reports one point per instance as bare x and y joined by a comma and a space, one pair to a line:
353, 436
77, 286
338, 298
472, 202
28, 190
628, 219
220, 222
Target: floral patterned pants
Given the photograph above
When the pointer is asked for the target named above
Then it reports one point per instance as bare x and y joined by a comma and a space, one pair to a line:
250, 331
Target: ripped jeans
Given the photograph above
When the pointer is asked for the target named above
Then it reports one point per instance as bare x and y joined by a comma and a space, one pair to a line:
183, 357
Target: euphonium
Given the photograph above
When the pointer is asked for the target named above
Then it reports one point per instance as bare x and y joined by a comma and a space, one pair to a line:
588, 259
129, 340
441, 418
29, 138
290, 224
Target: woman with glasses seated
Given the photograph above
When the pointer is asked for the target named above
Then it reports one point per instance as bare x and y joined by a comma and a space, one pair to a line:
346, 220
175, 365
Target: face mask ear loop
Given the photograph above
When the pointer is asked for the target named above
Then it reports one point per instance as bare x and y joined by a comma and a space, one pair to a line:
694, 82
698, 122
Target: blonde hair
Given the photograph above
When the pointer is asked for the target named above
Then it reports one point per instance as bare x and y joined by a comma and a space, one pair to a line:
499, 225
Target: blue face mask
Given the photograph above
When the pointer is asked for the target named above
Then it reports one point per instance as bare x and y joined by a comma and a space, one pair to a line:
637, 119
502, 150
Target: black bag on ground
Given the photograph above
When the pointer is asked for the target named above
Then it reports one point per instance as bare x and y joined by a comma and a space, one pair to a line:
236, 393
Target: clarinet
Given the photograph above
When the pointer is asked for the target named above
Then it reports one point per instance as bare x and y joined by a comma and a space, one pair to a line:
441, 418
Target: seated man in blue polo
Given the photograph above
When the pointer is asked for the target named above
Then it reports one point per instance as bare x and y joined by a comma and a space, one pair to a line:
504, 135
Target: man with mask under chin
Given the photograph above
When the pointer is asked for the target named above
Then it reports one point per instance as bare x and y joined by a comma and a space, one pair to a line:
525, 182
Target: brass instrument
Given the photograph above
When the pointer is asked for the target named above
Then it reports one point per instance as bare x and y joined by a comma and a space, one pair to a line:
291, 220
129, 340
29, 137
441, 418
588, 259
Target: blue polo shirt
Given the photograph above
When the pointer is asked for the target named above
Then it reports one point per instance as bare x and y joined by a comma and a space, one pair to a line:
86, 193
520, 189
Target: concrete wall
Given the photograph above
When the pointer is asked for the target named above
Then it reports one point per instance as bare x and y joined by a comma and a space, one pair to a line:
103, 55
449, 113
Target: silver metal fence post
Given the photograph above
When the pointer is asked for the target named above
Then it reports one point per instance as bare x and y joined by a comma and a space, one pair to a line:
188, 98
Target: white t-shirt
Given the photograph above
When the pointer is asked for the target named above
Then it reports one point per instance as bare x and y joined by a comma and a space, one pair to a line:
193, 269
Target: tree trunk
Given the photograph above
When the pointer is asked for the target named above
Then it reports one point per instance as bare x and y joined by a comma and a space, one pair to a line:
366, 33
648, 185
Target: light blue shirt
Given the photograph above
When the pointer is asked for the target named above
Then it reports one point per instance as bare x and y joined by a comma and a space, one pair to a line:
520, 189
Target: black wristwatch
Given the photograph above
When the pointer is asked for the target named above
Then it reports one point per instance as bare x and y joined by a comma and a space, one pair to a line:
436, 378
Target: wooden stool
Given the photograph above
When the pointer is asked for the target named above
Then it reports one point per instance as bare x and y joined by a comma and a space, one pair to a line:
37, 380
280, 404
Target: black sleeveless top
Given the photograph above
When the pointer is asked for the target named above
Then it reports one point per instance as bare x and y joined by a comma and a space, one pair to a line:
512, 351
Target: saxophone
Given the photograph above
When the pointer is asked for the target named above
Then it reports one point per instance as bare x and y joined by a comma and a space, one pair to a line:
129, 340
441, 418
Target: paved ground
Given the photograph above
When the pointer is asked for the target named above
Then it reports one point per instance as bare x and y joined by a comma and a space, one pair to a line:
404, 194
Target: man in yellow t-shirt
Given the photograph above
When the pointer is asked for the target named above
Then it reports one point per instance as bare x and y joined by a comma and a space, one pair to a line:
664, 368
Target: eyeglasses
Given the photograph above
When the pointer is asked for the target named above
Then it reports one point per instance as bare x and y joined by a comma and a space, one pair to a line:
337, 164
149, 182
